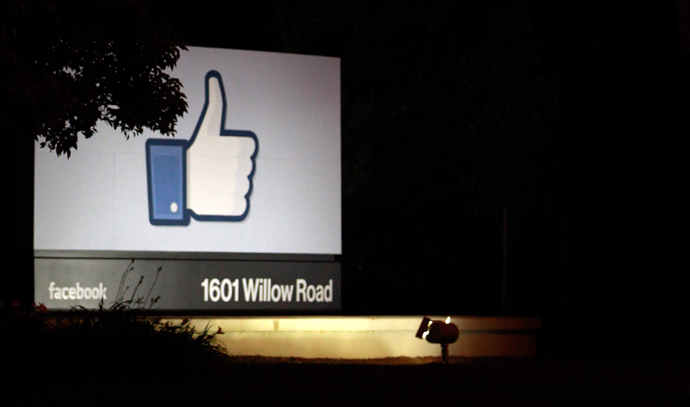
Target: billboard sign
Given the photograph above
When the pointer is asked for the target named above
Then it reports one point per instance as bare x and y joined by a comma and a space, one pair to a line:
190, 285
254, 169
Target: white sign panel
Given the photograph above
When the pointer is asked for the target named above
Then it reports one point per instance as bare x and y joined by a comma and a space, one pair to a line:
254, 168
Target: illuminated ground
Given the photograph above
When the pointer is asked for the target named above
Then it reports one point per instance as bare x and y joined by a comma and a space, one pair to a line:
118, 360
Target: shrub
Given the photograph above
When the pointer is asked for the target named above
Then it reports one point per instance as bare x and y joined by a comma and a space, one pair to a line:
109, 356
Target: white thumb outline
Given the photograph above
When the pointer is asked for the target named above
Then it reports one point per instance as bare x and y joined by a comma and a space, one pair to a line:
208, 138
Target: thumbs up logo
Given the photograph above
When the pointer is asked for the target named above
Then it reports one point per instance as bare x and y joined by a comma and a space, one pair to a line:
209, 177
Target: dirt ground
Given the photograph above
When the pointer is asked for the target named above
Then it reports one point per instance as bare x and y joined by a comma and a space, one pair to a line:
266, 381
465, 381
83, 366
379, 361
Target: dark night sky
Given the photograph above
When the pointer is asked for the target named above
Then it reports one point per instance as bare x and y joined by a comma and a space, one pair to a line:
593, 182
571, 115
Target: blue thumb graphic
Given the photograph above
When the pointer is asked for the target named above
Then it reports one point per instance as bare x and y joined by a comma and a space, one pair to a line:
209, 177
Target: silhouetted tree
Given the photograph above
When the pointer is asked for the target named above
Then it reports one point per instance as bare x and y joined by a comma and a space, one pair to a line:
67, 64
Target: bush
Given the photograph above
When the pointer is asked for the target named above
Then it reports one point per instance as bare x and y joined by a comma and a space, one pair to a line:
108, 356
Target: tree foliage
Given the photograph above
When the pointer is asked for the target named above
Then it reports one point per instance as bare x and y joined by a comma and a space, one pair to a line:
67, 64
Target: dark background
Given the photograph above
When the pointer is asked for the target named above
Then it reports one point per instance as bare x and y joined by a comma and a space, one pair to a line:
558, 131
